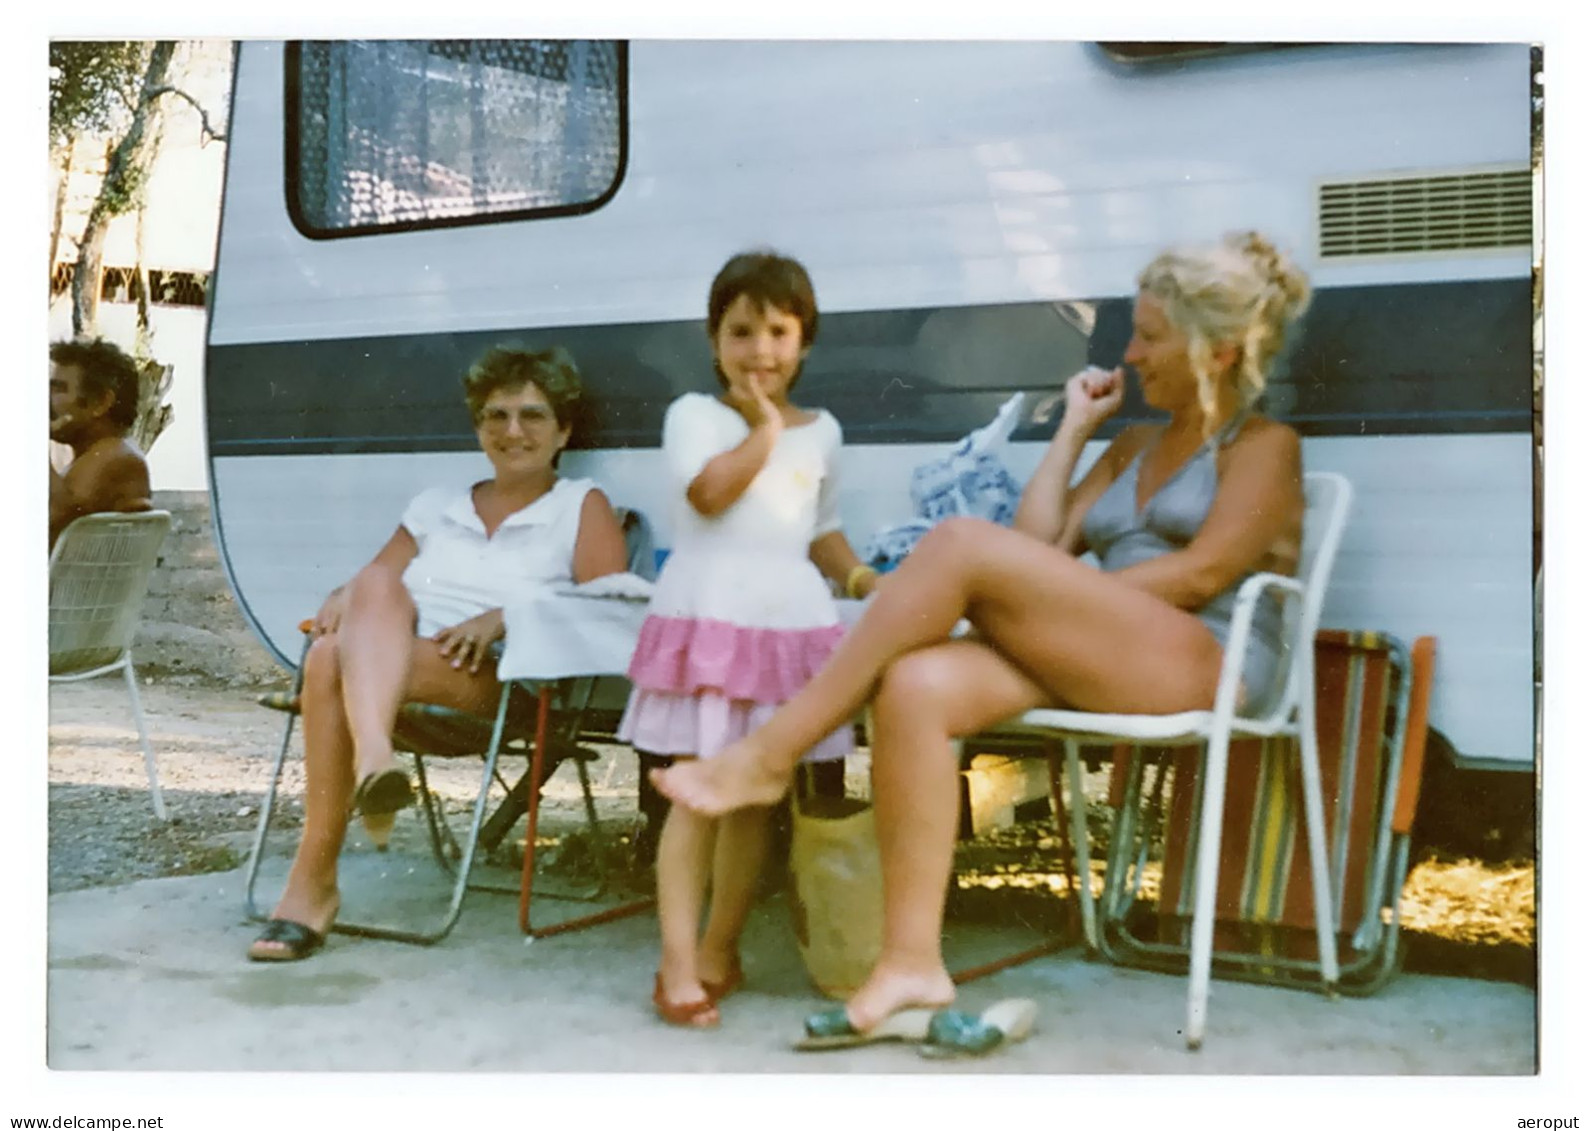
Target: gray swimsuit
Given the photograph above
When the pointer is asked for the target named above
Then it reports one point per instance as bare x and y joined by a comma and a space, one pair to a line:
1119, 537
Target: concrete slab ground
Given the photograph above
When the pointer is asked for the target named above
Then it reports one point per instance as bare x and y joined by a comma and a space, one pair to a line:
151, 976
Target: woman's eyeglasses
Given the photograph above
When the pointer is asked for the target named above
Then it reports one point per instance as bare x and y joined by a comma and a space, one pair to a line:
528, 416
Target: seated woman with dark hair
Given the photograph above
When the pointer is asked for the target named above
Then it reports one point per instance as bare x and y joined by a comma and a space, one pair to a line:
417, 622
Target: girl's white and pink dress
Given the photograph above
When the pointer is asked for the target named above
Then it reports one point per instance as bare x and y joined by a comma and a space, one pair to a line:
740, 618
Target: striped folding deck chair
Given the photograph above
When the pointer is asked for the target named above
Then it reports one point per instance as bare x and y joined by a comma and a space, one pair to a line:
1372, 703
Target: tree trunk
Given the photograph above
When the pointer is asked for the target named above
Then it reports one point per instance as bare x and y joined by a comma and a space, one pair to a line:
154, 416
90, 261
60, 206
126, 171
140, 290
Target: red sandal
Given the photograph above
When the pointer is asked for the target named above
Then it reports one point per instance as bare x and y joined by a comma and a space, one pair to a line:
686, 1014
733, 980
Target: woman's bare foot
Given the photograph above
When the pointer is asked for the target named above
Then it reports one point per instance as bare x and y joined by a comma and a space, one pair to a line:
378, 827
889, 989
317, 913
733, 779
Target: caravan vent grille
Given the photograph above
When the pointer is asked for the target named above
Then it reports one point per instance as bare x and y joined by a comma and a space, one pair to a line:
1404, 215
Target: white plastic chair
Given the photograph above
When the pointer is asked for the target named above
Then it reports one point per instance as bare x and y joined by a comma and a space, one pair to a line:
1291, 712
99, 575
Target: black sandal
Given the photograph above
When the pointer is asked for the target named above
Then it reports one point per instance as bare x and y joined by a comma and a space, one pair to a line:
298, 941
385, 791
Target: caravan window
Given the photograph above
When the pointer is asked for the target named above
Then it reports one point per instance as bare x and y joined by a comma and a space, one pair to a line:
386, 135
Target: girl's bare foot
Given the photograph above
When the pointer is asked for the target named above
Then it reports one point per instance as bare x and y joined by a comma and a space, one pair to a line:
684, 1003
721, 974
889, 989
734, 779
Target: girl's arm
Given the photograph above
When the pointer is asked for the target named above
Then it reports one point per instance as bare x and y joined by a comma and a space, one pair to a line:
719, 485
724, 478
831, 553
830, 550
1257, 512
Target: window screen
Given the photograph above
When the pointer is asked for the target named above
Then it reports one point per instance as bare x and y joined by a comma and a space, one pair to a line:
419, 133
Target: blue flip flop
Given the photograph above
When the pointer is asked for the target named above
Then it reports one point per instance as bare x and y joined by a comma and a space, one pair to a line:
954, 1033
831, 1029
939, 1033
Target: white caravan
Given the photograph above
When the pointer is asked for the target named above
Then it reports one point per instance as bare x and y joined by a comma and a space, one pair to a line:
973, 216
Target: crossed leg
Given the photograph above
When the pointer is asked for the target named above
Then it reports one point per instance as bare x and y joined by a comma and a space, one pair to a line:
1087, 638
925, 700
354, 682
1050, 629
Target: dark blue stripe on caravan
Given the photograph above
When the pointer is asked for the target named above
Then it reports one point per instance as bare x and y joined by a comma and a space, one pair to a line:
1388, 360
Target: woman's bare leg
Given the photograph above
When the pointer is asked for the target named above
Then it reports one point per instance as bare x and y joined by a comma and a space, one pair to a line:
1089, 638
684, 856
310, 896
925, 700
375, 639
736, 870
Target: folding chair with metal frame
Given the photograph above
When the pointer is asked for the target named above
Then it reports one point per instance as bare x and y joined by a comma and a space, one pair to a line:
427, 729
424, 729
546, 693
1291, 712
99, 575
1373, 697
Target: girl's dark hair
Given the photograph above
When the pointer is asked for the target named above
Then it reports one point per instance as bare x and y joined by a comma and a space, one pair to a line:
103, 367
767, 279
512, 367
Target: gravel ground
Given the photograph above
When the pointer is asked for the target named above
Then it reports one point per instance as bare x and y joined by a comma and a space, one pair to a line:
215, 747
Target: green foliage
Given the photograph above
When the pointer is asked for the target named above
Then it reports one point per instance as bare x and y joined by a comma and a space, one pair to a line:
93, 85
123, 192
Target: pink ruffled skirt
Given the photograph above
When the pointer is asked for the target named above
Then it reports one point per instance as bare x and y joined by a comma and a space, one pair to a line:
724, 644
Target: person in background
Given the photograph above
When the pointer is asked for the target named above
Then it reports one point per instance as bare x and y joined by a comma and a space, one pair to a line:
93, 405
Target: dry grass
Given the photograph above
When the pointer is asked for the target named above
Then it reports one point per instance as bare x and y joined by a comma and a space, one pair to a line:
1470, 901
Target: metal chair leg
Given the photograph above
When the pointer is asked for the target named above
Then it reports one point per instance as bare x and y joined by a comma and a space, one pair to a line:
1079, 835
143, 739
444, 847
527, 875
1212, 814
1314, 816
461, 882
257, 852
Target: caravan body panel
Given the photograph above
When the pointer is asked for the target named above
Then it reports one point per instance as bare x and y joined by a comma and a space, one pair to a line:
973, 216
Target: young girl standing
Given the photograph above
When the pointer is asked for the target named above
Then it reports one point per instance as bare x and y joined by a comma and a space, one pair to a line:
741, 615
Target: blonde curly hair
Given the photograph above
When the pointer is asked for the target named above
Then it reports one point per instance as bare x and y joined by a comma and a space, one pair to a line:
1241, 291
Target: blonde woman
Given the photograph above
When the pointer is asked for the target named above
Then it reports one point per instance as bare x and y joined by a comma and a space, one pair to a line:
1178, 514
